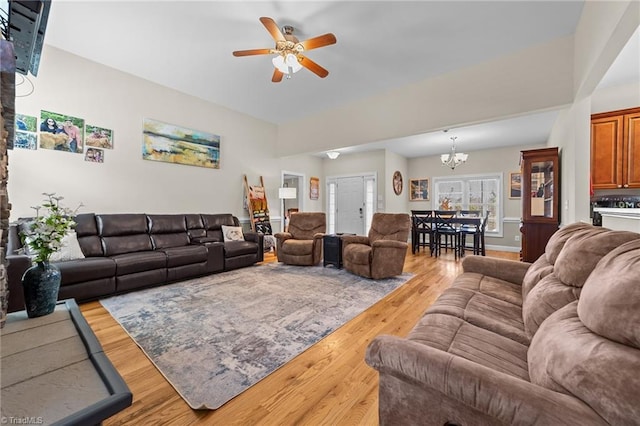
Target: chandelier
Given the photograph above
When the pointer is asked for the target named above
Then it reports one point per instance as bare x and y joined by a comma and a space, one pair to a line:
453, 159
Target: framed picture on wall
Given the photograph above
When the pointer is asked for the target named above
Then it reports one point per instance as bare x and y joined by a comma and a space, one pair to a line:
515, 185
314, 188
419, 189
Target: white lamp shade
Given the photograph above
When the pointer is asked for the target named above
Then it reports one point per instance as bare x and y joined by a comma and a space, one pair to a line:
286, 64
287, 193
333, 154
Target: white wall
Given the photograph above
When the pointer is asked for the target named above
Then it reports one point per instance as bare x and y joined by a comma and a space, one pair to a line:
112, 99
396, 203
603, 30
616, 97
530, 80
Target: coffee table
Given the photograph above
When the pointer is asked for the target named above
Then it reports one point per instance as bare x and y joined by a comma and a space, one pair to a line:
55, 371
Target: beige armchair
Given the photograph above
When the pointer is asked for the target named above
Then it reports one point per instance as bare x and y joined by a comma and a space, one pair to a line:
382, 253
302, 244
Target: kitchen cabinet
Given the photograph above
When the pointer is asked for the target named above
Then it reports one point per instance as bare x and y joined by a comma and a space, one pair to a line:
615, 149
540, 200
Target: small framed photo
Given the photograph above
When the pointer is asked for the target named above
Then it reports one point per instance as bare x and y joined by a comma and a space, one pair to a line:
515, 185
419, 189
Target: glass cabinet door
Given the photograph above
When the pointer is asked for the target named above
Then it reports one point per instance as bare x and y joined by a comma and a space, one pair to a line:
540, 196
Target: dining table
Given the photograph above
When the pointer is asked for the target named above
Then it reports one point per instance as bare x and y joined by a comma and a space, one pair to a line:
428, 222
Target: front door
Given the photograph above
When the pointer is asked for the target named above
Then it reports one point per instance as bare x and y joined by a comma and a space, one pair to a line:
350, 204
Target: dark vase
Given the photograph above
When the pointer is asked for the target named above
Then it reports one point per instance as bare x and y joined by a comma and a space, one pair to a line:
41, 283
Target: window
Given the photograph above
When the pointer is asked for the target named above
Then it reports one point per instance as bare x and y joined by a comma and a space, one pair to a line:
472, 192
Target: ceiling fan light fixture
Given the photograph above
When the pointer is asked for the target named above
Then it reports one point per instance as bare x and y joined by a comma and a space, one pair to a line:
333, 154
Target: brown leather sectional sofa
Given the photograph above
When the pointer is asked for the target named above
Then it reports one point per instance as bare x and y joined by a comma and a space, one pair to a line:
125, 252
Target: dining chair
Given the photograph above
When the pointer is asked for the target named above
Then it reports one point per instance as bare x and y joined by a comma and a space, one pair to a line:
446, 227
472, 230
421, 229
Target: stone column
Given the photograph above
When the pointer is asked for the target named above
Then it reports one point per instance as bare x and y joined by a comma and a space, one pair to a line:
7, 118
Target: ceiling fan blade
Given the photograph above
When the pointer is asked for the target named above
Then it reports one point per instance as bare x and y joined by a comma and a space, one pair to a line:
273, 29
252, 52
312, 66
320, 41
277, 76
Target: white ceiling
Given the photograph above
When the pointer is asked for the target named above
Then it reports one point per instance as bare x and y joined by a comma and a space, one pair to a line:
381, 45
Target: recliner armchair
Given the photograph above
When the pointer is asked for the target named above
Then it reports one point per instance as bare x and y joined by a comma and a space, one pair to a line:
302, 244
381, 254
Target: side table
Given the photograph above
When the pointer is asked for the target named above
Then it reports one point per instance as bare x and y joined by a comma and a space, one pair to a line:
54, 371
332, 250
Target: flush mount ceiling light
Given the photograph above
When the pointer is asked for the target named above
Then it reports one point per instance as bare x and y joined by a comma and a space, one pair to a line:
453, 159
333, 154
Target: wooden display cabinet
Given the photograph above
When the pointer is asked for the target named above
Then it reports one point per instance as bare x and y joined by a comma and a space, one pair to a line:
615, 149
540, 200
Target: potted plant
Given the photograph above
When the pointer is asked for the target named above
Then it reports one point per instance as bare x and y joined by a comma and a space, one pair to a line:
41, 282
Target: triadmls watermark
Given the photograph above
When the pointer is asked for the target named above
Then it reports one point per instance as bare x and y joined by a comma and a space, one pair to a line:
24, 420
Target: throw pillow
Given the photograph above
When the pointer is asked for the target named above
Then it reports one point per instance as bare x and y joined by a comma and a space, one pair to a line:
70, 249
232, 233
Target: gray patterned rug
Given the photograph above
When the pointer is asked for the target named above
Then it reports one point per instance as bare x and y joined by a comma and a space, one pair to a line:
214, 337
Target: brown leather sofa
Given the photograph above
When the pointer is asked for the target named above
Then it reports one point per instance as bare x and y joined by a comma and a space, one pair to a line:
555, 342
125, 252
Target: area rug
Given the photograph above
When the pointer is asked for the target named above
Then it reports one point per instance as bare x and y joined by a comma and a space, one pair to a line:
214, 337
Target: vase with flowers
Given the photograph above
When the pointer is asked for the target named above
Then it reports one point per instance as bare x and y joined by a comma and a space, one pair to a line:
43, 237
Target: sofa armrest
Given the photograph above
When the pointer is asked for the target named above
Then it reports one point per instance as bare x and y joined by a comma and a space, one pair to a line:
351, 239
17, 265
254, 237
390, 244
507, 270
508, 399
318, 236
283, 236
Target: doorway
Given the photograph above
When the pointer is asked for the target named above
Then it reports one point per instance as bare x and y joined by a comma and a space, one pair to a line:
291, 205
350, 203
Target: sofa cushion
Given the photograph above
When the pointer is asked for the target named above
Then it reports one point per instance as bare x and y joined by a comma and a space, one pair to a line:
297, 247
583, 251
113, 246
538, 270
130, 263
110, 225
565, 356
178, 256
609, 304
544, 299
69, 249
162, 241
232, 233
166, 223
483, 311
195, 226
494, 287
560, 237
459, 337
87, 232
305, 225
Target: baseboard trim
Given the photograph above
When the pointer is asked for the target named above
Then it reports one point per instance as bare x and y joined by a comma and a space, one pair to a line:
503, 248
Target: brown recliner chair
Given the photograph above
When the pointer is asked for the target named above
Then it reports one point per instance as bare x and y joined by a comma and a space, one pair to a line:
382, 253
302, 245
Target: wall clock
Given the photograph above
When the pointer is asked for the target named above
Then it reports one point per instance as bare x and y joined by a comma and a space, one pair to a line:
397, 182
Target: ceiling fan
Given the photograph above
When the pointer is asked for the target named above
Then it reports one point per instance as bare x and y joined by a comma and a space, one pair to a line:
289, 51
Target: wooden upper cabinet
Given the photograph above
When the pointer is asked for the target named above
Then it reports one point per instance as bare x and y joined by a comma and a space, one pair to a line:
615, 149
632, 163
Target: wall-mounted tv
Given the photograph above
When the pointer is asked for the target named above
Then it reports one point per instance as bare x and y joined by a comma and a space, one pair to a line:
27, 24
